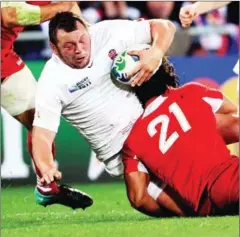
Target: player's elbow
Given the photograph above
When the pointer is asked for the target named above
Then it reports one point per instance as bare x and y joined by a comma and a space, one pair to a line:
137, 200
165, 26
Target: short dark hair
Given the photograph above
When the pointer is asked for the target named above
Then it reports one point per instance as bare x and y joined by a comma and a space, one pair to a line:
66, 21
159, 83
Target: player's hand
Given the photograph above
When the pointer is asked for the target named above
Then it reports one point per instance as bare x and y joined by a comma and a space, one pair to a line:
50, 175
187, 15
149, 62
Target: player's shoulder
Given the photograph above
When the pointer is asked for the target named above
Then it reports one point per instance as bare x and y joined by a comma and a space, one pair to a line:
190, 86
197, 90
51, 74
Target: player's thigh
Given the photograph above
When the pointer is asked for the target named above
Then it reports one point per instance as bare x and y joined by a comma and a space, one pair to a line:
18, 92
224, 193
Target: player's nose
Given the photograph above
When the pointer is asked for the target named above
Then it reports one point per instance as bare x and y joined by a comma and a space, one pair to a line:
79, 48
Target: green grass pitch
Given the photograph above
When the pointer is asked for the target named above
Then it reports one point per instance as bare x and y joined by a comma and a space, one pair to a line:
110, 216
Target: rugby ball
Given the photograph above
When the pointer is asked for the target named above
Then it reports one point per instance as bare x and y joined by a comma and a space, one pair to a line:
123, 63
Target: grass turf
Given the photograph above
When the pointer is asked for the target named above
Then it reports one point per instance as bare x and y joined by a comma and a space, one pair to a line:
110, 216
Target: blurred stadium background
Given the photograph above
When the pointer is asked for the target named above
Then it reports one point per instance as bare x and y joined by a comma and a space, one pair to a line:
206, 53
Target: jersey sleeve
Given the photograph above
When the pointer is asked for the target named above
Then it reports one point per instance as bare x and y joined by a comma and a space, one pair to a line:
48, 108
130, 161
211, 96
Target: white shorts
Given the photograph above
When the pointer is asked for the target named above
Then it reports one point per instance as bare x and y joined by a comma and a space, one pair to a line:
18, 92
114, 165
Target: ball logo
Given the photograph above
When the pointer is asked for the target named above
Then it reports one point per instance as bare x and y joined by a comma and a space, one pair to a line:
121, 63
117, 70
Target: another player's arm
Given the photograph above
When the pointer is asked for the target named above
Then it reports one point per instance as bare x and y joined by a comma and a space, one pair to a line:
42, 140
189, 13
136, 184
228, 121
144, 195
204, 7
162, 35
23, 14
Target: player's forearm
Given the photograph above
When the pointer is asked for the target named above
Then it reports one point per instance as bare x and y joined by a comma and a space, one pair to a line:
162, 32
42, 153
148, 206
204, 7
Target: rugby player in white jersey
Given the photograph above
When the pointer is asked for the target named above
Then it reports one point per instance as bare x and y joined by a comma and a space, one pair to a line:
76, 84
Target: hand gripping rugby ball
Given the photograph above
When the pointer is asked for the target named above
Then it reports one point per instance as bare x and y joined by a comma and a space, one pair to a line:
124, 63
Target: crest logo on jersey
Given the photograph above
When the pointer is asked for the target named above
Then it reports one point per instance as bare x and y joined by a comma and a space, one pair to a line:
112, 54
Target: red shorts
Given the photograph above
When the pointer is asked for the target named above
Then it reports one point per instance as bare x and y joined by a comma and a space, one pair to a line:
221, 196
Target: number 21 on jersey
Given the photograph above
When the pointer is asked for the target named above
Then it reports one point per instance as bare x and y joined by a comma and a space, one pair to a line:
164, 142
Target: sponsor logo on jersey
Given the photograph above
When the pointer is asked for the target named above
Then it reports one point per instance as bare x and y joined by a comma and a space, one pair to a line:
85, 82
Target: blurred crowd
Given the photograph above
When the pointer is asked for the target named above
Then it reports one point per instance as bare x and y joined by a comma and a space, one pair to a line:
203, 44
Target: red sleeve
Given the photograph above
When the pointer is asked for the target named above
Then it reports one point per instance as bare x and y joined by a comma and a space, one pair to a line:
130, 161
211, 96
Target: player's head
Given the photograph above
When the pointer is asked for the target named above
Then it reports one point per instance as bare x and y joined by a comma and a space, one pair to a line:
70, 40
159, 83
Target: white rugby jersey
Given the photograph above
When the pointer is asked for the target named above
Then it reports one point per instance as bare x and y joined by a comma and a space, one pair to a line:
103, 111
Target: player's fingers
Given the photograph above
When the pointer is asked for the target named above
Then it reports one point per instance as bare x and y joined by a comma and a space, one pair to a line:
138, 78
145, 77
45, 179
183, 16
134, 71
58, 175
186, 23
134, 52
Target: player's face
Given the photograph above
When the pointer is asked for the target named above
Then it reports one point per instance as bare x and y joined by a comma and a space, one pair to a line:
74, 48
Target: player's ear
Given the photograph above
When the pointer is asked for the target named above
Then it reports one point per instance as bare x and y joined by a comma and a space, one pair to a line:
54, 48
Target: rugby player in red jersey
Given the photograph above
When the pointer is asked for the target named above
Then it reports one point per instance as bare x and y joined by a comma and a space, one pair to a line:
181, 139
18, 86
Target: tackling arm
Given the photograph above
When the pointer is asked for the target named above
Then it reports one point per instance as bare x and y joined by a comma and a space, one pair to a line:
204, 7
137, 183
23, 14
